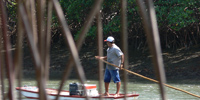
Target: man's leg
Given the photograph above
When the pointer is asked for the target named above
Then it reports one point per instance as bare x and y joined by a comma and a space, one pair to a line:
106, 89
107, 78
116, 79
118, 88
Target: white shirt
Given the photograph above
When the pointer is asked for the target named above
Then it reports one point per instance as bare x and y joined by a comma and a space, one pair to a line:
114, 54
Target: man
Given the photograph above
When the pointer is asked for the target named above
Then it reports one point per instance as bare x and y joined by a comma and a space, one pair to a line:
114, 56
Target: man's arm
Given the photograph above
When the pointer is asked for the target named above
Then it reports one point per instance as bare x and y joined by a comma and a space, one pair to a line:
122, 61
98, 57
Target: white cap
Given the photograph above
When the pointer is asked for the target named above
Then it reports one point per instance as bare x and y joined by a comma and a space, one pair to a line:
109, 39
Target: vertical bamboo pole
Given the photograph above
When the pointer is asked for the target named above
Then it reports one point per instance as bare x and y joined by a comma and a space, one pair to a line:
80, 40
2, 72
30, 9
34, 21
150, 26
69, 40
40, 26
2, 66
100, 51
124, 38
35, 54
0, 57
18, 54
8, 57
41, 37
1, 62
48, 38
156, 50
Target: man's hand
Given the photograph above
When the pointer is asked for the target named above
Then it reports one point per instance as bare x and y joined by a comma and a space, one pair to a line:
121, 66
97, 57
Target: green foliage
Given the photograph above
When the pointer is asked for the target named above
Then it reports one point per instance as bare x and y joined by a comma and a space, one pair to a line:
12, 11
173, 15
176, 14
112, 26
111, 17
180, 18
76, 11
92, 33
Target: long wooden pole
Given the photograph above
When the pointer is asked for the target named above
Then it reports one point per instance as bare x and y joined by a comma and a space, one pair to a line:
164, 84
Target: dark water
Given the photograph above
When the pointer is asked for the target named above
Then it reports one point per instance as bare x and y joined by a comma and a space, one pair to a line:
147, 90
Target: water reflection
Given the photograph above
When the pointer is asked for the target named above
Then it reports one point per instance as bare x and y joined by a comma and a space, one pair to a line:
147, 90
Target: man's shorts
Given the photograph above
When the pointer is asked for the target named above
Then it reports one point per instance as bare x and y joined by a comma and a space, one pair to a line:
111, 74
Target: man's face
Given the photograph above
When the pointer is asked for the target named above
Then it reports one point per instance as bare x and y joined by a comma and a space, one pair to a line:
109, 44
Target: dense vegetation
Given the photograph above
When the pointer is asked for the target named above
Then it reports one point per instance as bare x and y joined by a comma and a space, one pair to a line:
178, 21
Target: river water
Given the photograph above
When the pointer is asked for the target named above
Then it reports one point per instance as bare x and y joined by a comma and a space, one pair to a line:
146, 89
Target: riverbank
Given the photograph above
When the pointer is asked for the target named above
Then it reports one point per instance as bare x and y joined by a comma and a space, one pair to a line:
179, 64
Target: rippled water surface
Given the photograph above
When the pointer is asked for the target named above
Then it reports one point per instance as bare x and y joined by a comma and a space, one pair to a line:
146, 89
